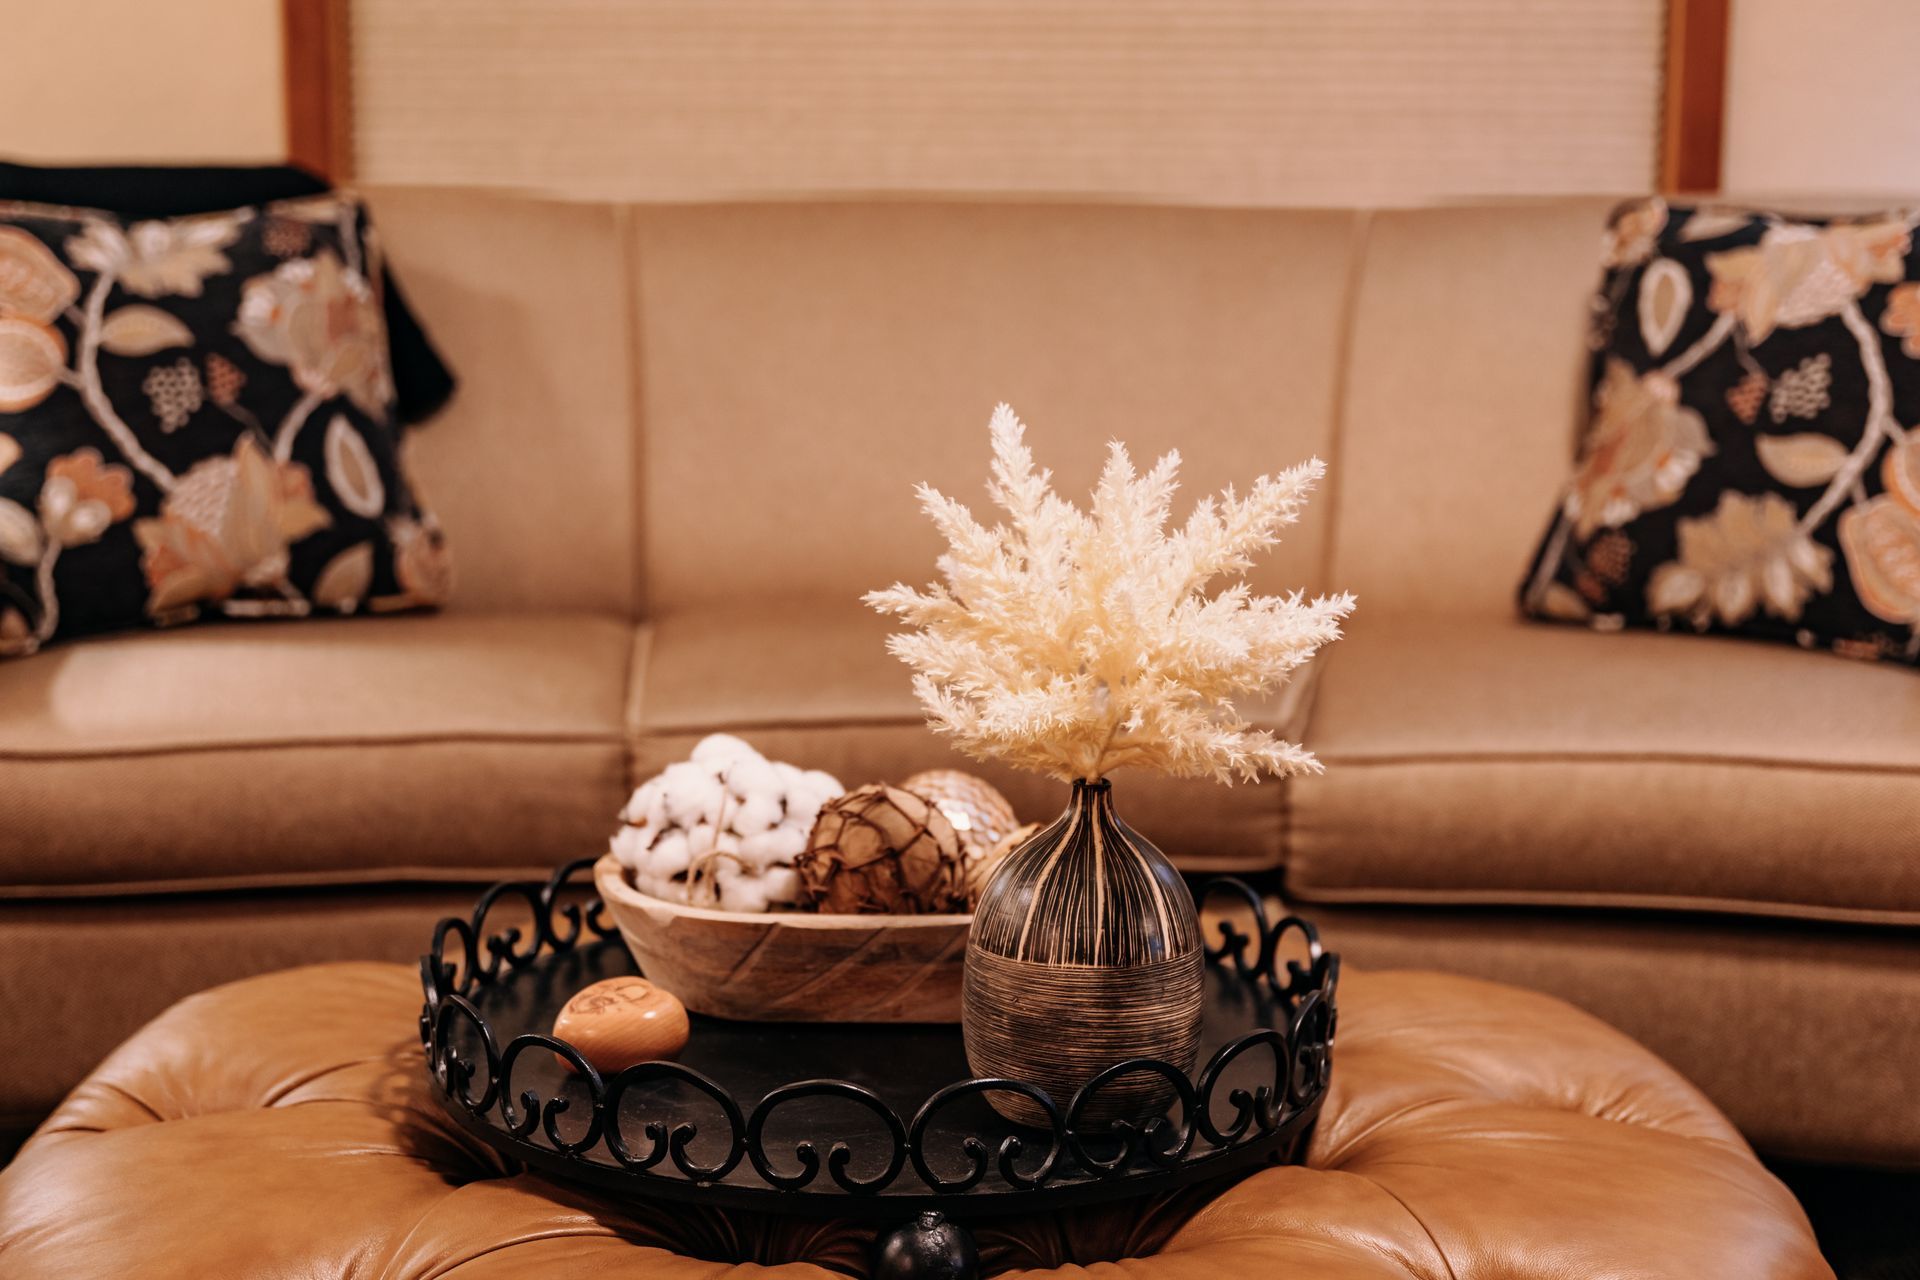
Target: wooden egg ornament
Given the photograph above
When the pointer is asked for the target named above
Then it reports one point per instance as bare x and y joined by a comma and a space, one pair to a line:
980, 815
619, 1022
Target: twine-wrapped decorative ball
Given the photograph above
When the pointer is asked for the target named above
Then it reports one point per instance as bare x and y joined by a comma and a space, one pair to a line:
980, 815
883, 849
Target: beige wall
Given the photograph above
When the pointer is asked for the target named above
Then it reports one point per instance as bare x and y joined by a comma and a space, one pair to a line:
142, 80
1823, 97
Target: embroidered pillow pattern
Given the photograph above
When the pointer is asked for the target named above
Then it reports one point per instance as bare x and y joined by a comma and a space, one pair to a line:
197, 420
1752, 460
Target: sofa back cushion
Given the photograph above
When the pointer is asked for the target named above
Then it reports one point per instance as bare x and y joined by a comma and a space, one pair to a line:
669, 406
1462, 395
805, 364
531, 466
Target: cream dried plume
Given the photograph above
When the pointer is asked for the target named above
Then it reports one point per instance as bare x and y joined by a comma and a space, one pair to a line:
1072, 642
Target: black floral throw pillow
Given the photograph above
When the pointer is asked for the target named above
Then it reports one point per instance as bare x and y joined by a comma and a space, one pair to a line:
197, 419
1752, 463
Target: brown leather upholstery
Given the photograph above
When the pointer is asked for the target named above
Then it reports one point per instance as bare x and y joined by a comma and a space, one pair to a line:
281, 1127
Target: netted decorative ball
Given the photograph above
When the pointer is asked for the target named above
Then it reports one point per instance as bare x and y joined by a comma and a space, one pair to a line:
980, 815
981, 869
882, 849
722, 828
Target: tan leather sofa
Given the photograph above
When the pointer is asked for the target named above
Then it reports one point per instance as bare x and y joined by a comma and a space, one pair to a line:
685, 445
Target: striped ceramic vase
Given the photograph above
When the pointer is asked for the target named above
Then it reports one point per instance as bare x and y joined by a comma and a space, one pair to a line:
1085, 951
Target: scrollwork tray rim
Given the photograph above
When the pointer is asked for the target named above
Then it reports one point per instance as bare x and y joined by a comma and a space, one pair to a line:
1268, 1124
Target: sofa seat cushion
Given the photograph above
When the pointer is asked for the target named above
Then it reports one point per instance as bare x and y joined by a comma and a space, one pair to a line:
1498, 761
811, 682
336, 751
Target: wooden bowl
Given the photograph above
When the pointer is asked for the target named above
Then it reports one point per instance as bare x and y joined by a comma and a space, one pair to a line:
792, 966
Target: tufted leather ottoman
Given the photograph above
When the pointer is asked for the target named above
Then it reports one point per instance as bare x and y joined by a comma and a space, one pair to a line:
281, 1127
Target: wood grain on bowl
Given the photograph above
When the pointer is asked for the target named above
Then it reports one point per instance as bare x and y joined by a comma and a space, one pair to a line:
792, 966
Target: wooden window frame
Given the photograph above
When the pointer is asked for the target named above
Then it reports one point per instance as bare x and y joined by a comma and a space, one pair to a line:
317, 49
1694, 96
317, 59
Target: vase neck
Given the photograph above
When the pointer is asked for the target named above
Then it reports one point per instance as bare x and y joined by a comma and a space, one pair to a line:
1094, 800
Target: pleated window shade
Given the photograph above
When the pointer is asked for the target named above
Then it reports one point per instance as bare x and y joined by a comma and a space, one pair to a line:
1238, 102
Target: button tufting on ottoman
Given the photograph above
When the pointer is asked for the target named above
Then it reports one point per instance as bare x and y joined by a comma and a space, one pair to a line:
281, 1127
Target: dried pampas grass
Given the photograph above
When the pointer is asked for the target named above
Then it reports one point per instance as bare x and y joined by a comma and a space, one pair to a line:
1072, 643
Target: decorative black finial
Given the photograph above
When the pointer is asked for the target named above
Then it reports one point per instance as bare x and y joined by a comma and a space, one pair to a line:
928, 1248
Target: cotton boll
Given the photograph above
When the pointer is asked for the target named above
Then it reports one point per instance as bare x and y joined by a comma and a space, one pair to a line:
723, 827
741, 890
719, 749
654, 884
662, 869
813, 790
807, 792
748, 776
670, 854
681, 774
700, 840
673, 889
654, 814
647, 807
632, 846
771, 848
780, 885
757, 812
693, 794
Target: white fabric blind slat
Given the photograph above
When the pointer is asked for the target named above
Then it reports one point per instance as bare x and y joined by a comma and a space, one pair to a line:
1253, 102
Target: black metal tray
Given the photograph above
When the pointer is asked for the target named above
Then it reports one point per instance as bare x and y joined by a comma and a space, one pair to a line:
743, 1117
